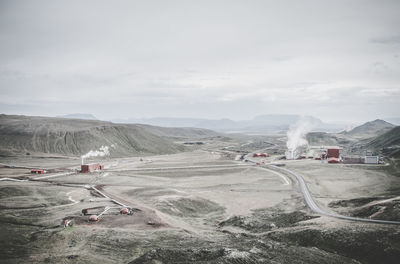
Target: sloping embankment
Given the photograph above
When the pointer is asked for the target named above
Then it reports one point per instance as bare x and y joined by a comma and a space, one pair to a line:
21, 134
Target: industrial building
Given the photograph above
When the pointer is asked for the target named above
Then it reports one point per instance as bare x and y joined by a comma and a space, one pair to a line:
360, 160
333, 152
291, 154
333, 160
263, 155
325, 152
87, 168
38, 171
352, 160
371, 159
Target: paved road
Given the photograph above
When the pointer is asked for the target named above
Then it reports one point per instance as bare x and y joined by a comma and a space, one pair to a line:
11, 179
314, 207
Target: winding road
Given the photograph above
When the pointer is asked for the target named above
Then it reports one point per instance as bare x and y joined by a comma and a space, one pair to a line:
314, 207
302, 184
303, 188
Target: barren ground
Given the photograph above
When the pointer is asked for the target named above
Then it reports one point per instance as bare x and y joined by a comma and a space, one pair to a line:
195, 207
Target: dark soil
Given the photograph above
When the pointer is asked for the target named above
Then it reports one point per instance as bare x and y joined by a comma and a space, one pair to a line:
267, 219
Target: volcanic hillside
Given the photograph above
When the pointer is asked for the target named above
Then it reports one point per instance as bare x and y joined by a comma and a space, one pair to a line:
21, 134
388, 142
330, 139
370, 129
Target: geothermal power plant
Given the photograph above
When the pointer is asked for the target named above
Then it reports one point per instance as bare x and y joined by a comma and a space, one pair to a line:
199, 196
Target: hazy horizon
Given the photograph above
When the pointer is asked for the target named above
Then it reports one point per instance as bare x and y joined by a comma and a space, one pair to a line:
338, 61
344, 123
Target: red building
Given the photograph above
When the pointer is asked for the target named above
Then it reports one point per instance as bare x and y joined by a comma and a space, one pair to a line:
333, 153
125, 211
38, 171
264, 155
93, 218
333, 160
87, 168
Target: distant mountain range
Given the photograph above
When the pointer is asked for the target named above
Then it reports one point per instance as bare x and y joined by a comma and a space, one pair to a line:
263, 124
79, 116
275, 123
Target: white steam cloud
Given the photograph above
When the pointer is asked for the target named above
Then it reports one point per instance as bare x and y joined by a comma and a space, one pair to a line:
102, 152
297, 137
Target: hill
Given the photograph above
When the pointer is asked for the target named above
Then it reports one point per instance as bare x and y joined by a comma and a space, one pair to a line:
327, 139
388, 143
21, 134
370, 129
393, 120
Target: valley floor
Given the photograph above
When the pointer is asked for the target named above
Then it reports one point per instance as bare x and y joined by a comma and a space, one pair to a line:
195, 207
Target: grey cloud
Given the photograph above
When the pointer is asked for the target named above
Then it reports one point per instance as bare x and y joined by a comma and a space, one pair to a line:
387, 40
214, 59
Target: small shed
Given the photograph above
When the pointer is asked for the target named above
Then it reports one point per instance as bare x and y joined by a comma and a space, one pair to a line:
38, 171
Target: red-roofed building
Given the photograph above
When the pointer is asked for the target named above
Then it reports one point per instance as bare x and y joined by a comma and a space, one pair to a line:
333, 160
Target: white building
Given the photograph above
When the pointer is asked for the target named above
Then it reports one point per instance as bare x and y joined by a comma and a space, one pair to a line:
291, 154
371, 159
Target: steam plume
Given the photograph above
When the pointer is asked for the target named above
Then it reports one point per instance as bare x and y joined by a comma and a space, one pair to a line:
102, 152
297, 137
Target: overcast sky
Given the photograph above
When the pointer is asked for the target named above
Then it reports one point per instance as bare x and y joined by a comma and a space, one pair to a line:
336, 60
